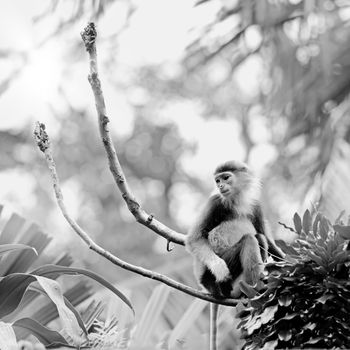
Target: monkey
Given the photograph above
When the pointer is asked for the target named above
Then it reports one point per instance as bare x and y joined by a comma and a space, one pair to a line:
229, 241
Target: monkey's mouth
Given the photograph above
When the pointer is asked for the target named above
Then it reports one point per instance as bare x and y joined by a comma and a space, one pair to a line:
224, 192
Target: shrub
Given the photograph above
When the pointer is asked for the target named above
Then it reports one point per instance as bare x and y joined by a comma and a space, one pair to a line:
306, 302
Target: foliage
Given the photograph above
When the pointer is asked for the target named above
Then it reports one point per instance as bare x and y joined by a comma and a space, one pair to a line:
306, 301
22, 312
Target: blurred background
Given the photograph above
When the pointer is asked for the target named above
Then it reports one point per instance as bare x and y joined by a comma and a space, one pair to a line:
188, 84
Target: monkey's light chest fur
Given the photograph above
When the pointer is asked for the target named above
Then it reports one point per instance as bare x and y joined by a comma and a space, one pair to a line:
228, 233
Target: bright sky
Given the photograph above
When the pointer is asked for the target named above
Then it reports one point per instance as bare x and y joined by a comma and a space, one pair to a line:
159, 32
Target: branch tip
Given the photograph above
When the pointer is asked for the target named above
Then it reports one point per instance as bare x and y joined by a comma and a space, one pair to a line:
41, 137
89, 35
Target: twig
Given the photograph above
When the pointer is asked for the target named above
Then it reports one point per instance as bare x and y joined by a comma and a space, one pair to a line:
287, 227
43, 143
89, 37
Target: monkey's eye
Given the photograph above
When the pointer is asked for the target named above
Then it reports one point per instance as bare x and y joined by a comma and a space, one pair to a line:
217, 181
226, 177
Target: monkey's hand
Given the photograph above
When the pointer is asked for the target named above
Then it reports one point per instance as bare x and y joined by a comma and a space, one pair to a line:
219, 270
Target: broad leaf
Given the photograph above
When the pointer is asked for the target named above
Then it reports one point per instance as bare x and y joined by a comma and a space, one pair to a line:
7, 337
69, 321
48, 270
6, 248
68, 304
45, 335
12, 288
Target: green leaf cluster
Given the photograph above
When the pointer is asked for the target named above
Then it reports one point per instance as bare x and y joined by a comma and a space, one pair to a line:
306, 299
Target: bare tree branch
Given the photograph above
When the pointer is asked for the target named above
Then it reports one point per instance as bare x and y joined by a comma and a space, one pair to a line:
43, 143
89, 37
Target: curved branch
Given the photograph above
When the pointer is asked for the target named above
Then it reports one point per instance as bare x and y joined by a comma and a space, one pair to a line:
43, 143
89, 37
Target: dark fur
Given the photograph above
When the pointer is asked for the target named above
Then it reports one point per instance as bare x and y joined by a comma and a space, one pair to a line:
217, 212
230, 166
232, 255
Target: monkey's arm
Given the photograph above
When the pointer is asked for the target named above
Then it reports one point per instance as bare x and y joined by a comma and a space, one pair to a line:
198, 245
202, 251
259, 224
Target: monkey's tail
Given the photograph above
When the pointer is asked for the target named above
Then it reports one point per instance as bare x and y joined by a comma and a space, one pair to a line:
214, 308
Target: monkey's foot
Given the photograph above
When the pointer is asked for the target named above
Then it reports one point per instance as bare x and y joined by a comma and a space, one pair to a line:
220, 270
226, 288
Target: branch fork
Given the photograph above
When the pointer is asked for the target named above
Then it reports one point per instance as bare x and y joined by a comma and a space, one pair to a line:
41, 137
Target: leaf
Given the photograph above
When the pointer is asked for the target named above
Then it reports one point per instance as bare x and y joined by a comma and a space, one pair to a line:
285, 300
324, 298
344, 231
316, 222
68, 304
297, 223
239, 308
69, 321
310, 326
268, 314
314, 340
12, 288
8, 339
324, 228
338, 220
247, 289
285, 335
6, 248
253, 324
315, 257
289, 317
286, 248
306, 221
270, 345
48, 270
341, 257
45, 335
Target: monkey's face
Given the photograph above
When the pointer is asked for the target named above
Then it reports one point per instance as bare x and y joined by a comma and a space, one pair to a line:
231, 183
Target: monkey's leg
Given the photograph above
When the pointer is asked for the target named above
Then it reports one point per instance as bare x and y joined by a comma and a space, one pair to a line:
209, 282
232, 258
214, 308
251, 259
